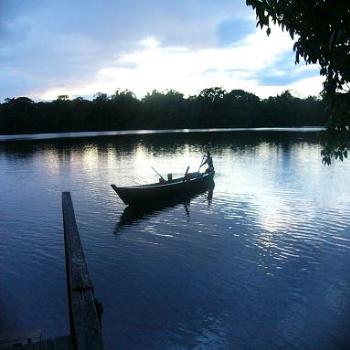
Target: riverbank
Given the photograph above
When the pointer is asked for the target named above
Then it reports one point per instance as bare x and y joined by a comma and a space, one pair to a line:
86, 134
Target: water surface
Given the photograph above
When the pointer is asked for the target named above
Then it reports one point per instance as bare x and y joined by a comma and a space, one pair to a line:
262, 264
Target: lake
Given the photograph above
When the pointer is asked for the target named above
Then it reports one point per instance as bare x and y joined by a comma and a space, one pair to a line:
261, 263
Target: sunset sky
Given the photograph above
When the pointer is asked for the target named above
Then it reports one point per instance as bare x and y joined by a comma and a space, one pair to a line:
78, 48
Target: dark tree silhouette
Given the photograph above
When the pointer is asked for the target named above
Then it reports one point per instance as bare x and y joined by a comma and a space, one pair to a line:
212, 108
321, 29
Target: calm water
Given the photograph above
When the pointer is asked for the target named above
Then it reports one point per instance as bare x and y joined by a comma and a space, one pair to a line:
263, 264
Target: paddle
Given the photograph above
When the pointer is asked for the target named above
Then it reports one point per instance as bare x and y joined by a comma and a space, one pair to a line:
188, 168
201, 163
158, 173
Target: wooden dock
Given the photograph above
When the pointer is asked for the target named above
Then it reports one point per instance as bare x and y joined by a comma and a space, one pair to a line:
84, 309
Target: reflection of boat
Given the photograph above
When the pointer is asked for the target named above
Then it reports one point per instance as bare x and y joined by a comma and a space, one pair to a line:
168, 190
132, 214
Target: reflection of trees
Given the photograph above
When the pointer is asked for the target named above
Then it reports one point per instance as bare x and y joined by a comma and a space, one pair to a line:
158, 144
213, 107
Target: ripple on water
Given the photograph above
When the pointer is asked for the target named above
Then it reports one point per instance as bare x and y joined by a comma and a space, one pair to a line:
264, 264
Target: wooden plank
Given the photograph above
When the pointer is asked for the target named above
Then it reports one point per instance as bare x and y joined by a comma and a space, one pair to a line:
84, 319
79, 274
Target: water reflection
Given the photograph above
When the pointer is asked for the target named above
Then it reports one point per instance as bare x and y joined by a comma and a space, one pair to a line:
133, 215
261, 264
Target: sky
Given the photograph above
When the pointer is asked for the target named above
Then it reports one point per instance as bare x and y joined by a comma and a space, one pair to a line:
81, 47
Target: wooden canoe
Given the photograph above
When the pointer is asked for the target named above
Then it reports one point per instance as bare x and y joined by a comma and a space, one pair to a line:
160, 192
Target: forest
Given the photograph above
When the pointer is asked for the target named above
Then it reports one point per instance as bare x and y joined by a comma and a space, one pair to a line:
211, 108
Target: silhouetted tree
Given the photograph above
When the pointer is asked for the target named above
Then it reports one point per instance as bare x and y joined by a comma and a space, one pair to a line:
321, 29
62, 98
213, 107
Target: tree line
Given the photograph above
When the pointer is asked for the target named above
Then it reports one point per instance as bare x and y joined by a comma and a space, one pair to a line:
211, 108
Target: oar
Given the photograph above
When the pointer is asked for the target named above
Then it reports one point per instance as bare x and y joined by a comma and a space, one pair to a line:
158, 173
201, 163
188, 168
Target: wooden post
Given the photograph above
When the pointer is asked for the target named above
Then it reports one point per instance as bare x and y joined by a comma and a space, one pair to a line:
84, 319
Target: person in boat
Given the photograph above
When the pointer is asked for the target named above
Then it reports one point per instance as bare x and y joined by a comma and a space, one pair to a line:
209, 161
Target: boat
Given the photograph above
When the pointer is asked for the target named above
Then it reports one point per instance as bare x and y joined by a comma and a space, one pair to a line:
132, 215
165, 190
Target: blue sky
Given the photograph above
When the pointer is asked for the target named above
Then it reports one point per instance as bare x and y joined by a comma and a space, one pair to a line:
48, 48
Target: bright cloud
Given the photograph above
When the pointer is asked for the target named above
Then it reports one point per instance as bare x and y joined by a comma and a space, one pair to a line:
142, 45
153, 66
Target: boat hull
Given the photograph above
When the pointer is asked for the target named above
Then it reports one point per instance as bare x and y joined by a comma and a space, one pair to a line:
158, 193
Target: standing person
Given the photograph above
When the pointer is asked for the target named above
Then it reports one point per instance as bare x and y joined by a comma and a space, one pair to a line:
209, 161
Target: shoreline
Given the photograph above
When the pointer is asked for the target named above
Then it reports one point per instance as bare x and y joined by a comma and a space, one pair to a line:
87, 134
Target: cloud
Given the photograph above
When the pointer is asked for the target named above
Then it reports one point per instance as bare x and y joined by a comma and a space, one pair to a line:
153, 66
61, 42
81, 47
284, 73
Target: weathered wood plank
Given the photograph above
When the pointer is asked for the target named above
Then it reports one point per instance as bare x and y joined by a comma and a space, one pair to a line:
84, 319
79, 274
